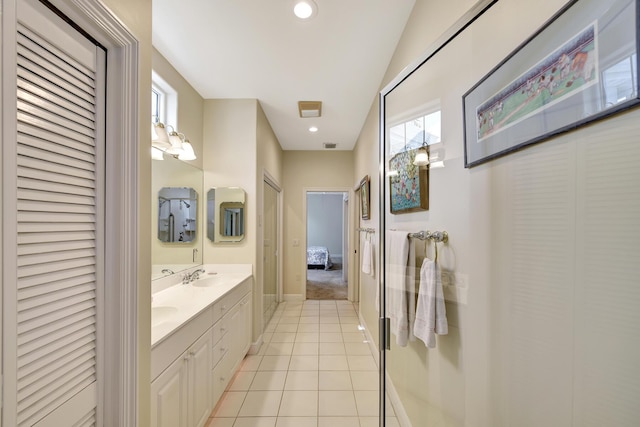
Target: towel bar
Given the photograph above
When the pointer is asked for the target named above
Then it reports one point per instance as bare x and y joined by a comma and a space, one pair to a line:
437, 236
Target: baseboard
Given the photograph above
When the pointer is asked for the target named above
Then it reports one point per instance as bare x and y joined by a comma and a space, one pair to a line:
255, 346
293, 297
392, 393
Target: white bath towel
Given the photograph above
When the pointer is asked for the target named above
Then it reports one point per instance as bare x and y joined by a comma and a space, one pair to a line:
431, 314
366, 257
400, 285
372, 251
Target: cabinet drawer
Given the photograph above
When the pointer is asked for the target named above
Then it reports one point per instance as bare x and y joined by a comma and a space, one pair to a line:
224, 304
219, 350
220, 329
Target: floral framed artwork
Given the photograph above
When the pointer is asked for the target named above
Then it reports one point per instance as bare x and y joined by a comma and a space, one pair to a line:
365, 198
581, 66
408, 184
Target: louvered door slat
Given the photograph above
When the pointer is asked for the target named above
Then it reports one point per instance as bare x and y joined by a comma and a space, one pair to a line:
55, 246
52, 118
29, 410
36, 158
55, 228
32, 200
33, 65
54, 147
46, 366
63, 102
32, 270
28, 78
70, 331
55, 129
51, 104
58, 200
56, 206
52, 56
26, 239
48, 186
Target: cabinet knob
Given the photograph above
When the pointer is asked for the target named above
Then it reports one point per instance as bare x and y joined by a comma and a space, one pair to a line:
223, 330
186, 358
192, 353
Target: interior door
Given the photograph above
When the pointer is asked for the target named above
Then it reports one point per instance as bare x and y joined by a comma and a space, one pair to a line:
270, 251
53, 202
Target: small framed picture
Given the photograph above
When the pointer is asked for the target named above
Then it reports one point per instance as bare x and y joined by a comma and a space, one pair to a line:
409, 184
364, 197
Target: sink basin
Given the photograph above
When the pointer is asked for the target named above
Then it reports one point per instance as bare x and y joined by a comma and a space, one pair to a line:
207, 281
161, 314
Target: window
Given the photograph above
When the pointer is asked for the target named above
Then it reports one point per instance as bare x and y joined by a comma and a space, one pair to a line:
164, 101
415, 133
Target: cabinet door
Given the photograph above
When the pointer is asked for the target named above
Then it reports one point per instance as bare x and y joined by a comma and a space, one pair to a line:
246, 320
169, 396
200, 402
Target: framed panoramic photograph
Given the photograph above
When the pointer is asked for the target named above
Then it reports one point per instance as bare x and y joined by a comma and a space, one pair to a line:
365, 198
582, 65
408, 183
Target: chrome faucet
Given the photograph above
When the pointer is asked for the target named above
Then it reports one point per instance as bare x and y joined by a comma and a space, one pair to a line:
191, 277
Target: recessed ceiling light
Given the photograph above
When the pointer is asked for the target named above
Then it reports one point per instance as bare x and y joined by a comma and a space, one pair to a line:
305, 9
313, 129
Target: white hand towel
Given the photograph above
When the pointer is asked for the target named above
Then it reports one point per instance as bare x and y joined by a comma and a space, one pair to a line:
366, 257
431, 314
400, 286
372, 263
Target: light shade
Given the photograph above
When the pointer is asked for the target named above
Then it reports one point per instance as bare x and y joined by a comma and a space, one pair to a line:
159, 136
175, 140
422, 157
187, 151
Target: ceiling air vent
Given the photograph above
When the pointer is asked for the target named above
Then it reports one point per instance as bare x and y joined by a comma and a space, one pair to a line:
310, 109
329, 145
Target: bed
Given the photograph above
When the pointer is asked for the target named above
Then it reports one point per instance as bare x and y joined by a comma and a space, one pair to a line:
318, 257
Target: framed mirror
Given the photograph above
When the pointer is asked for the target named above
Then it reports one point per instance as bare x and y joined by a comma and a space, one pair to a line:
177, 213
169, 257
225, 214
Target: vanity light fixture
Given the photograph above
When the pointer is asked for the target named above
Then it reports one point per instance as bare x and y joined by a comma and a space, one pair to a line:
305, 9
173, 143
187, 151
422, 157
159, 136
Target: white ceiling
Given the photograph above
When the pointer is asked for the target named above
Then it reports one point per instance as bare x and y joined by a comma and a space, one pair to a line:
259, 49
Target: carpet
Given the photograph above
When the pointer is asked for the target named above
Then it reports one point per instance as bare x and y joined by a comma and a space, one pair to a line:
326, 284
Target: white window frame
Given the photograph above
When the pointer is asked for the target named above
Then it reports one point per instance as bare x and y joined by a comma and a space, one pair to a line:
168, 102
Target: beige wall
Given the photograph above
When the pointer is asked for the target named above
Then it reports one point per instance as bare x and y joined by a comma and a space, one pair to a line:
543, 337
307, 170
240, 147
229, 161
190, 115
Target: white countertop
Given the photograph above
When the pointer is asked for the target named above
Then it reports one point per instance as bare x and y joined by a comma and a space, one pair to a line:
177, 304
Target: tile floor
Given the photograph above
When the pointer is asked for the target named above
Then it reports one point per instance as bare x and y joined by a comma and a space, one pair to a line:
314, 369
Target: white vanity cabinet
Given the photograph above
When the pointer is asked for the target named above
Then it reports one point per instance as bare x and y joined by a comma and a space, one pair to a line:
181, 395
231, 339
187, 363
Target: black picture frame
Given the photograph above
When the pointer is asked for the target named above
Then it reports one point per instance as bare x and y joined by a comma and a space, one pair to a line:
568, 73
365, 198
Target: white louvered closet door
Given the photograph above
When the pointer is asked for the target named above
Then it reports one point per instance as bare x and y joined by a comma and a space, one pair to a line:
51, 332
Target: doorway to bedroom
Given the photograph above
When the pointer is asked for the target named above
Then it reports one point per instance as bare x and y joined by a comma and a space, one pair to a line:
327, 245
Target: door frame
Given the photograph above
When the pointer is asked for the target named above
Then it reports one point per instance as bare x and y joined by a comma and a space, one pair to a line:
347, 222
118, 398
